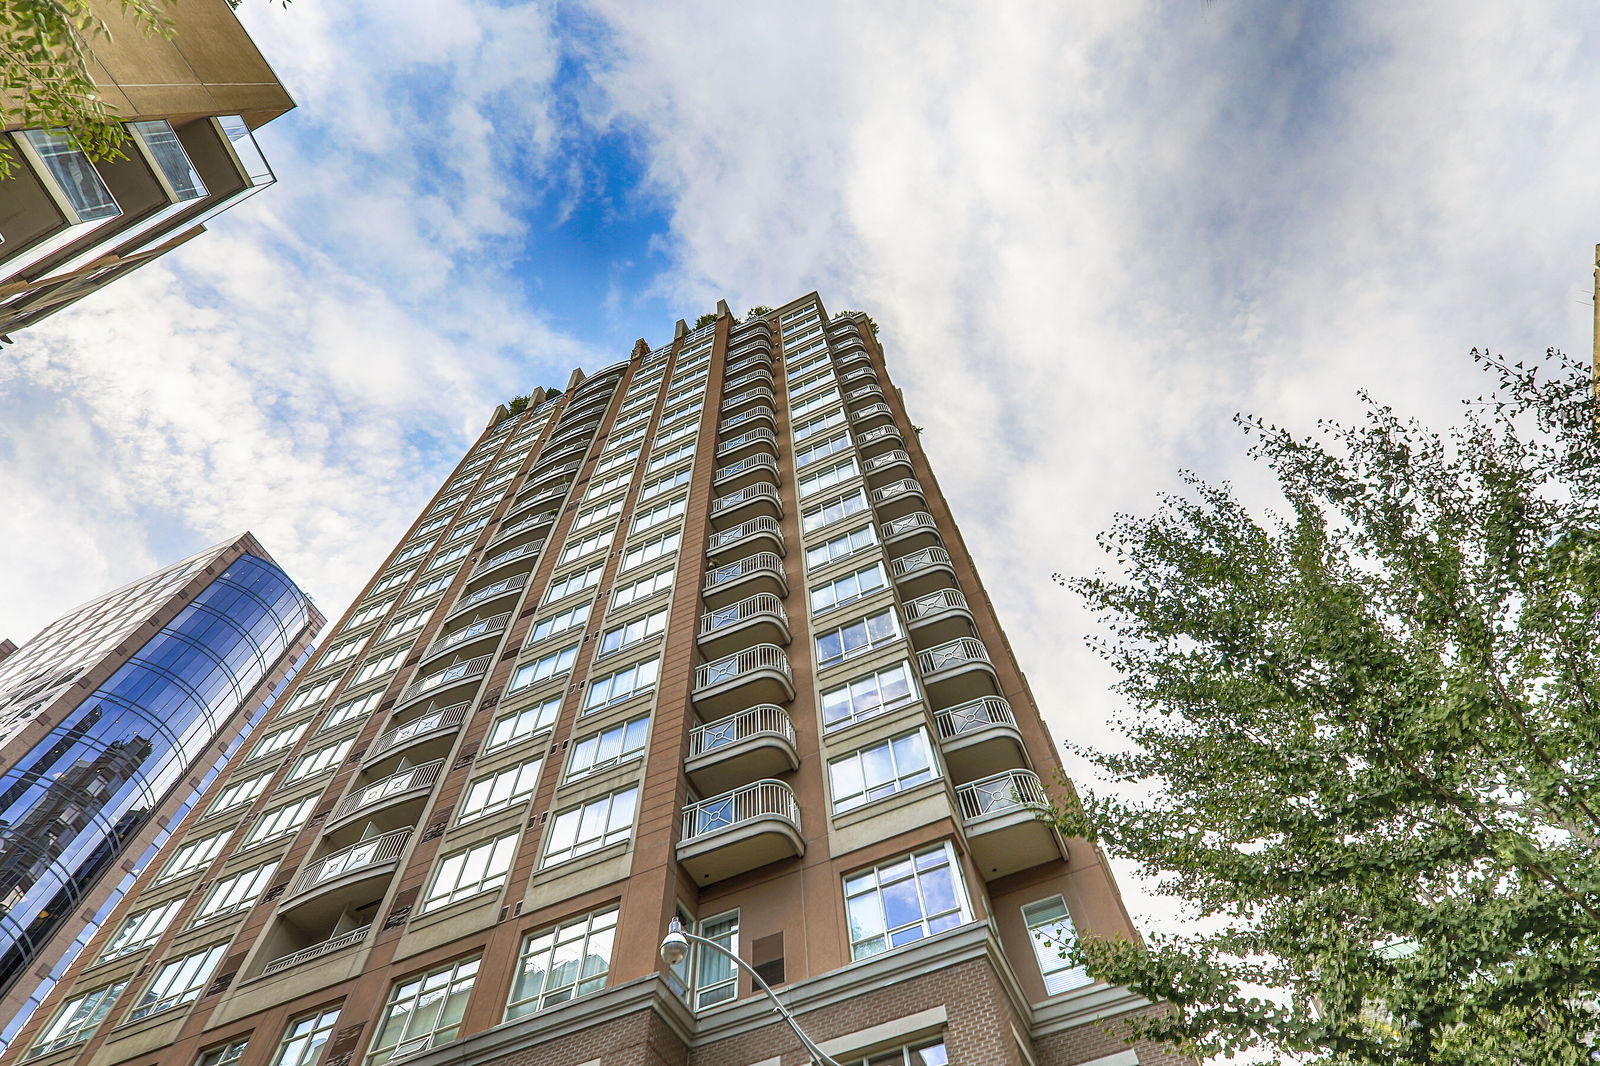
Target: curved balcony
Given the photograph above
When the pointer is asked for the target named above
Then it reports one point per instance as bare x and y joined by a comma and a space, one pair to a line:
508, 534
324, 883
526, 553
441, 724
894, 498
861, 373
316, 951
760, 674
958, 670
747, 360
868, 393
871, 413
922, 571
917, 526
887, 462
741, 504
939, 616
506, 586
745, 746
756, 534
577, 447
1004, 817
850, 342
754, 619
878, 436
748, 375
600, 379
543, 498
740, 831
405, 786
543, 472
528, 512
744, 471
485, 631
748, 418
761, 572
451, 678
760, 394
760, 437
583, 409
980, 738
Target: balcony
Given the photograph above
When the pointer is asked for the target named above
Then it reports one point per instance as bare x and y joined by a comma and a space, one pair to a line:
922, 571
754, 619
751, 468
760, 394
316, 951
441, 724
1004, 819
745, 746
751, 360
527, 552
402, 787
522, 511
980, 738
871, 413
760, 674
878, 436
957, 671
760, 437
543, 498
322, 886
863, 394
741, 504
757, 534
911, 528
761, 572
544, 472
748, 418
484, 631
506, 586
886, 462
861, 374
450, 679
939, 616
748, 375
895, 498
578, 447
740, 831
508, 533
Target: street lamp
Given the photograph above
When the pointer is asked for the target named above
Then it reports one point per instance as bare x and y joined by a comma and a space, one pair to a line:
675, 948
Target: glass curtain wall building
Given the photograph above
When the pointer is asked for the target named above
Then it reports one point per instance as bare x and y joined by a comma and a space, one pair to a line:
110, 719
696, 637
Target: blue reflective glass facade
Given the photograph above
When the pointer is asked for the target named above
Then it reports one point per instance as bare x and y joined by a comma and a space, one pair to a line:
69, 805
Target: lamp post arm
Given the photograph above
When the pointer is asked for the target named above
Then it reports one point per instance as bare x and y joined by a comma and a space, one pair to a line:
777, 1005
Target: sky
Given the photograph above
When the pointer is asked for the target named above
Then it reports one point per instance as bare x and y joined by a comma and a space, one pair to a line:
1090, 233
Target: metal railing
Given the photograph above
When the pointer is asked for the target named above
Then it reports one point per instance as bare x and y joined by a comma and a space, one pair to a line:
952, 653
866, 390
750, 722
315, 951
877, 433
889, 458
909, 523
443, 718
510, 554
980, 713
759, 461
543, 497
747, 661
1008, 790
402, 781
532, 520
862, 373
489, 592
762, 603
739, 378
920, 559
760, 434
757, 357
760, 392
873, 410
539, 475
748, 416
897, 488
763, 799
749, 528
481, 628
935, 603
733, 571
506, 532
761, 489
385, 848
472, 668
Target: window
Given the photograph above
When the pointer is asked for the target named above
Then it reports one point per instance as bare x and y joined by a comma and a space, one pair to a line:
822, 449
76, 1021
234, 893
586, 546
609, 747
407, 623
590, 826
799, 388
141, 929
450, 556
826, 514
277, 741
666, 459
844, 545
632, 419
641, 589
571, 618
178, 981
423, 1012
524, 722
797, 367
431, 587
447, 503
716, 979
394, 581
236, 792
674, 437
829, 476
577, 581
815, 403
848, 588
615, 441
655, 488
320, 760
433, 524
675, 412
651, 550
1050, 928
416, 551
499, 790
307, 695
350, 710
881, 770
192, 855
483, 503
305, 1037
368, 614
477, 869
543, 668
931, 1053
625, 683
598, 514
821, 424
904, 900
612, 462
561, 962
630, 633
666, 512
496, 481
279, 821
611, 484
224, 1054
879, 691
853, 638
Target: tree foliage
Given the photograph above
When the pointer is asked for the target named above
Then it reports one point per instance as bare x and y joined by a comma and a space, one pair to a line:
705, 319
1365, 739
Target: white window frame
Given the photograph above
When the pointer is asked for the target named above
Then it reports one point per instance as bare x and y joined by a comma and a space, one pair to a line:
617, 812
472, 871
576, 943
525, 722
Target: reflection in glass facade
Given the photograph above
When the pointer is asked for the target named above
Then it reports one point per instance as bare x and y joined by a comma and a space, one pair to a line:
70, 803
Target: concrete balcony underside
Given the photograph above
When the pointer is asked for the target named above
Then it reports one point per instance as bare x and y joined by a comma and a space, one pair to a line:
753, 744
1005, 820
740, 831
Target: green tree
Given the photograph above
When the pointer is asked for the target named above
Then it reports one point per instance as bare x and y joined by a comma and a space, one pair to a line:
1365, 739
705, 319
756, 312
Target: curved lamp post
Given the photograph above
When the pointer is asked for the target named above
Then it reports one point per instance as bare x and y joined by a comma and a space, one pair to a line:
675, 948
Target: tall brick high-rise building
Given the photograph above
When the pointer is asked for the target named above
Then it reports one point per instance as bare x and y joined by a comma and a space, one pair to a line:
696, 637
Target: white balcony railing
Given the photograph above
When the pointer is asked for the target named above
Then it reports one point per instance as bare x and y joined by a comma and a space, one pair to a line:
909, 523
980, 713
763, 799
904, 487
877, 433
761, 719
481, 628
509, 555
760, 490
1009, 790
722, 575
443, 718
760, 524
759, 461
935, 603
489, 592
762, 603
953, 653
760, 433
889, 458
403, 781
748, 416
327, 947
472, 668
873, 410
374, 852
921, 559
748, 661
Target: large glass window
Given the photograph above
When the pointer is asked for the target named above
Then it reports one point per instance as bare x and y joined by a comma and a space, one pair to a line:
848, 588
178, 981
499, 790
931, 1053
875, 631
656, 515
380, 665
480, 868
571, 618
238, 792
673, 457
416, 551
192, 855
590, 826
567, 584
141, 930
866, 696
652, 549
815, 403
394, 580
306, 695
623, 684
320, 760
340, 652
587, 546
660, 485
277, 741
904, 900
829, 476
609, 747
644, 588
822, 450
1050, 928
688, 429
350, 710
630, 633
561, 962
843, 546
280, 821
76, 1021
234, 892
716, 978
821, 424
432, 587
881, 770
74, 175
614, 460
370, 613
423, 1012
543, 668
305, 1037
523, 722
224, 1054
599, 514
835, 510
